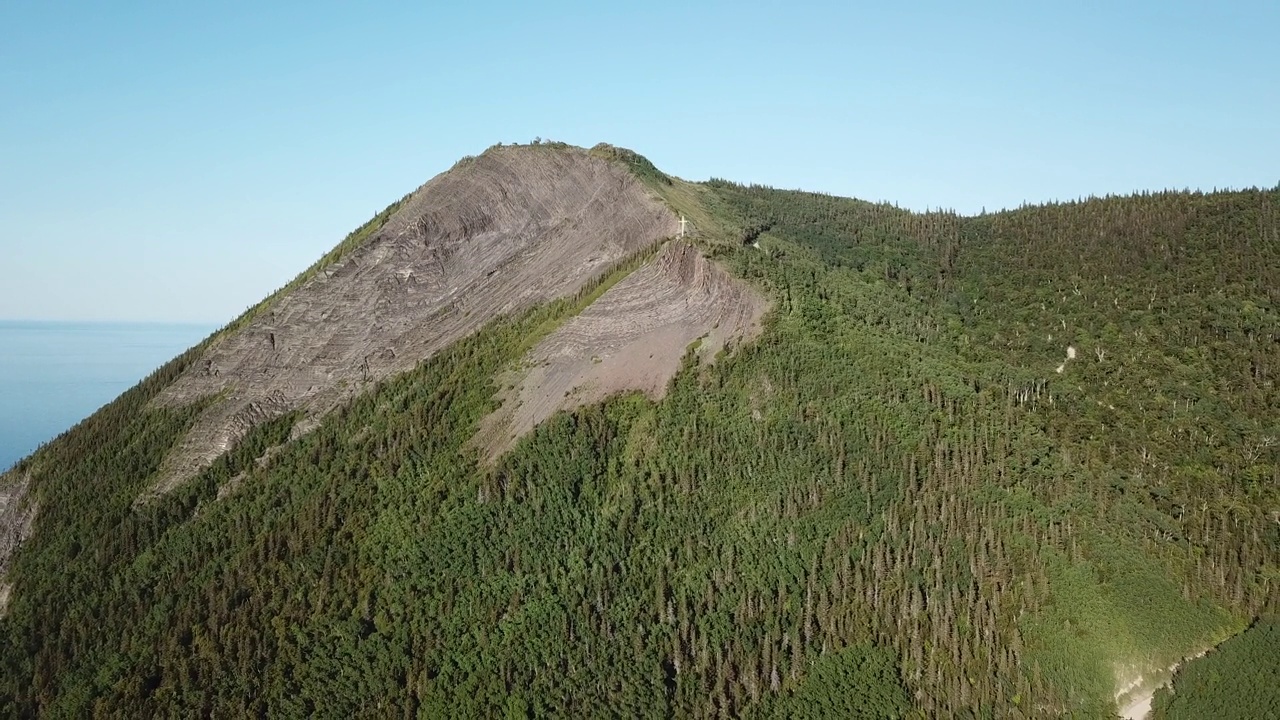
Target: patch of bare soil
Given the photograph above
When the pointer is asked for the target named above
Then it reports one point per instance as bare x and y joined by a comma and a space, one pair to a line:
631, 338
1135, 694
508, 230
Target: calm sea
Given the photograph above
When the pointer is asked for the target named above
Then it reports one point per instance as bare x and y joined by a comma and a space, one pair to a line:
55, 374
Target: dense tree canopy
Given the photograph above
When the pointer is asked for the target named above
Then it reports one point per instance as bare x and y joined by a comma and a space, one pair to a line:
1238, 679
971, 467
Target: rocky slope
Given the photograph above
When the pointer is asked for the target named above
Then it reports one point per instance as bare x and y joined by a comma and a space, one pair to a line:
631, 338
499, 233
17, 512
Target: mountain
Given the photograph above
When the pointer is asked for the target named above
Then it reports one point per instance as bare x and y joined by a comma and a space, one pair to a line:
560, 434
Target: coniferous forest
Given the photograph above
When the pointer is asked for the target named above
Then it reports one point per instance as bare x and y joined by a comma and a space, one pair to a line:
986, 467
1240, 678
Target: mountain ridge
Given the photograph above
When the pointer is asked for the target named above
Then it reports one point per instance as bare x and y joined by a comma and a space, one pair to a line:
493, 235
888, 491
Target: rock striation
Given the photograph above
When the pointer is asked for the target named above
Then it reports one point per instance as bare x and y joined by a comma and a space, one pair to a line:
499, 233
632, 338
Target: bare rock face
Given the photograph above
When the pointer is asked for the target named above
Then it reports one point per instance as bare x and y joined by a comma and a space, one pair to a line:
17, 513
499, 233
632, 338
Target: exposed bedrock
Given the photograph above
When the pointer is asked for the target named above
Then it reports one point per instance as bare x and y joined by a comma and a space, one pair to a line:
505, 231
632, 338
17, 514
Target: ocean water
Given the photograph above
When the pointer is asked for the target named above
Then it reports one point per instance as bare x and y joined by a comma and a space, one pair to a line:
55, 374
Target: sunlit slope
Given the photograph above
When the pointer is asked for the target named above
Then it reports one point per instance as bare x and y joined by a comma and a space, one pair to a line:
500, 233
886, 500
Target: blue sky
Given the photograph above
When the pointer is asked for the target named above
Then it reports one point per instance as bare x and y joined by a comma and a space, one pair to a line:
175, 163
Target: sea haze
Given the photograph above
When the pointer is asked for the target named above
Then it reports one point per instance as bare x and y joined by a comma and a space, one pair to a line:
54, 374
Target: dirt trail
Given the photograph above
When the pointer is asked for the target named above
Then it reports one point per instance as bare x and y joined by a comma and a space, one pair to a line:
1134, 696
631, 338
1135, 701
499, 233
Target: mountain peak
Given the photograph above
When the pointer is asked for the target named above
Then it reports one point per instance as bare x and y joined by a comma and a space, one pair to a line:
512, 228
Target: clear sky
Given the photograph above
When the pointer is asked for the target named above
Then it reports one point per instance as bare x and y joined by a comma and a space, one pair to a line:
178, 161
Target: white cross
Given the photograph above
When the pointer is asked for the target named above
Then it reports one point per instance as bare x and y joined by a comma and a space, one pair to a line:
683, 222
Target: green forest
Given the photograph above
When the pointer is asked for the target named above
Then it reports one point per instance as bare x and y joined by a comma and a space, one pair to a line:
1238, 679
979, 467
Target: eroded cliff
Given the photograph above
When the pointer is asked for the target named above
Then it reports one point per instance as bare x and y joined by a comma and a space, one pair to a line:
507, 230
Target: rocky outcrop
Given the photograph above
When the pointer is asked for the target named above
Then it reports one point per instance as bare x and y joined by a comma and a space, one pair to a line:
17, 513
499, 233
632, 338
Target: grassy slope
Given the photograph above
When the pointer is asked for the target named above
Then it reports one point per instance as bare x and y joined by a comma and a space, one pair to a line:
891, 493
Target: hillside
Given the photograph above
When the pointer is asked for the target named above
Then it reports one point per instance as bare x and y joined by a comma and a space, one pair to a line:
1238, 679
500, 233
513, 449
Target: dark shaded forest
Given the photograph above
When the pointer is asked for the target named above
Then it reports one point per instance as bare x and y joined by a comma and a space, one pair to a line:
972, 467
